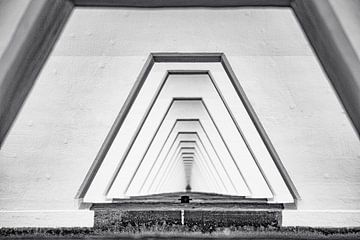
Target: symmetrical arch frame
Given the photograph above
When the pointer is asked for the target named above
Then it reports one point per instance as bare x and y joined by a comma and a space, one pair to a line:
159, 164
209, 153
43, 21
250, 173
196, 128
184, 58
159, 90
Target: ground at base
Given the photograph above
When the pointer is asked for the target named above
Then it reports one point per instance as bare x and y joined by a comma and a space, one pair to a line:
182, 232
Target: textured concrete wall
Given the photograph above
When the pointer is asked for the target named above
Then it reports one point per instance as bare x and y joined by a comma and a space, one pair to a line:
86, 80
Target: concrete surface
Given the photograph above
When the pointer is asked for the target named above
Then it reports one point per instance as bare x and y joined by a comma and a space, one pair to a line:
10, 15
321, 218
86, 80
44, 218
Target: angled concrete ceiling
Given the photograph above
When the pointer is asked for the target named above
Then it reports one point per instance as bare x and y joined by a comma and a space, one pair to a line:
192, 140
153, 176
218, 176
152, 108
190, 109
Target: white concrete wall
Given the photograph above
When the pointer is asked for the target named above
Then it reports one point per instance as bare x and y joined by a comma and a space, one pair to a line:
86, 80
47, 218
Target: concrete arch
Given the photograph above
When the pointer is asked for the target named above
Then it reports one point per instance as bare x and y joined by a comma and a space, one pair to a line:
191, 129
188, 109
215, 179
190, 145
260, 136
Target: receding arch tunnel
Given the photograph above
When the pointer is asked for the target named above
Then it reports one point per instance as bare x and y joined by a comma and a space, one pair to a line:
230, 155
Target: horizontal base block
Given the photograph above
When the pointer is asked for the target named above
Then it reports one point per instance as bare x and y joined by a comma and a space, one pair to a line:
114, 216
47, 218
186, 206
119, 220
321, 218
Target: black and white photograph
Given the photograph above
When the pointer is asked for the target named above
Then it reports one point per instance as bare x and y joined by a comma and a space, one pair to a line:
180, 119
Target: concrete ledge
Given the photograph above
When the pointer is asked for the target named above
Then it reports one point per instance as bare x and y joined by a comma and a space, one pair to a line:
85, 218
321, 218
47, 218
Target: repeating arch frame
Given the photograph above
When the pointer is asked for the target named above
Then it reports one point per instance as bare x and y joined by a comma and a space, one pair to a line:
222, 171
42, 22
164, 57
